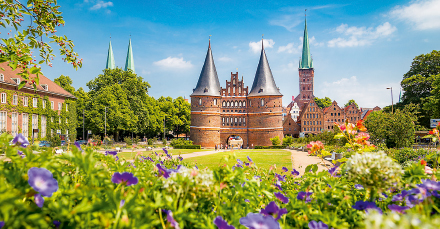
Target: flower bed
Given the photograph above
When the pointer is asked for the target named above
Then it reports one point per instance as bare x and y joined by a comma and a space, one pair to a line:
86, 189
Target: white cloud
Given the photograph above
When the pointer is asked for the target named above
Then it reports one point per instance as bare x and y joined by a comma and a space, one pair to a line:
256, 46
225, 59
360, 36
422, 14
289, 48
173, 63
365, 94
101, 5
286, 21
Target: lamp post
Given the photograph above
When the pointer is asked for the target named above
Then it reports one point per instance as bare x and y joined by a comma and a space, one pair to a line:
392, 103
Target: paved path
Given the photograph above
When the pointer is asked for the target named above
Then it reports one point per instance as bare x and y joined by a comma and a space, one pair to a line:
300, 160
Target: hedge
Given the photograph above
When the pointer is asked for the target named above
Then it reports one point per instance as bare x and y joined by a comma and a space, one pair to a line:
270, 147
187, 147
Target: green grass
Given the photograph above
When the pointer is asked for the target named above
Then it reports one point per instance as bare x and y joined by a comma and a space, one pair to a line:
263, 158
130, 155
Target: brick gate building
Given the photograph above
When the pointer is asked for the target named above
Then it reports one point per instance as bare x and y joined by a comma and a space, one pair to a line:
218, 113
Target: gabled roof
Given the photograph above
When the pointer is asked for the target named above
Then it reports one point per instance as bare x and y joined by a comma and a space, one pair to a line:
52, 88
110, 58
264, 83
208, 83
325, 109
129, 63
366, 115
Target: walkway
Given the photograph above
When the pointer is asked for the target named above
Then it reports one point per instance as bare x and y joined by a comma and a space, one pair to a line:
300, 160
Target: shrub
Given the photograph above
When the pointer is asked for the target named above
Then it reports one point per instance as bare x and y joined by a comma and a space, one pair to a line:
150, 141
275, 140
187, 147
54, 140
287, 140
270, 147
164, 141
405, 155
128, 141
180, 141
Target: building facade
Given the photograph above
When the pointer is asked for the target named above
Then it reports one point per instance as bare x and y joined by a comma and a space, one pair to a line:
48, 110
311, 118
218, 113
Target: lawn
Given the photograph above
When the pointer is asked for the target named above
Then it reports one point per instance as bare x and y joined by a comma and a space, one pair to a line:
263, 158
130, 155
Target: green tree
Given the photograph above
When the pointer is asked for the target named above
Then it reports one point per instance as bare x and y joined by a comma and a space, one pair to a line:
417, 84
351, 101
287, 140
275, 140
431, 104
394, 129
66, 83
82, 98
321, 103
33, 21
184, 116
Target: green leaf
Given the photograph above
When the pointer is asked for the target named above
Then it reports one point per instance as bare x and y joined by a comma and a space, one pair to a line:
339, 136
22, 83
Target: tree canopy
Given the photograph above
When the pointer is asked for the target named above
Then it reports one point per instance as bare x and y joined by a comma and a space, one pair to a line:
35, 24
351, 101
66, 83
321, 103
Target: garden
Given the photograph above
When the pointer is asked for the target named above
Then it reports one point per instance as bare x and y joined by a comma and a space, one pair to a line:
82, 188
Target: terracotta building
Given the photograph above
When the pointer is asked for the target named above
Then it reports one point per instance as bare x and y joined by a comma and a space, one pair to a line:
352, 113
220, 114
47, 109
333, 114
290, 127
311, 118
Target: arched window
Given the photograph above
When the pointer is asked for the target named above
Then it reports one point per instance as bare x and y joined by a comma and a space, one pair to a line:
233, 81
224, 103
229, 90
304, 88
233, 90
262, 102
308, 88
215, 102
239, 90
244, 103
229, 104
223, 119
235, 120
240, 104
236, 103
200, 102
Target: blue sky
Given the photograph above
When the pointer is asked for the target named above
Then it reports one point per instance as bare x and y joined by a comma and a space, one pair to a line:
359, 47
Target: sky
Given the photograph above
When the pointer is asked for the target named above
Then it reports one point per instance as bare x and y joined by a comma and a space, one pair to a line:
359, 48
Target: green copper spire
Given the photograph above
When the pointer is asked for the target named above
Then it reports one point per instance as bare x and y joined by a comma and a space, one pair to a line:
110, 58
129, 63
306, 59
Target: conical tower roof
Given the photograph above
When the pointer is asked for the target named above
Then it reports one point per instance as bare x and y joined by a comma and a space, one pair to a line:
208, 83
264, 83
129, 63
306, 58
110, 58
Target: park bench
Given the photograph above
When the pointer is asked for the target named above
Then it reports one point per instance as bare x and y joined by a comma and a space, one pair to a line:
118, 149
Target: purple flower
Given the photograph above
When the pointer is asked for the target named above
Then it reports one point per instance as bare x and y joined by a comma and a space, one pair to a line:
317, 225
397, 197
430, 185
222, 224
258, 221
180, 158
436, 194
295, 173
78, 145
116, 158
304, 195
247, 164
39, 200
2, 224
196, 166
56, 223
278, 185
122, 203
412, 200
333, 171
163, 171
111, 153
247, 201
358, 186
273, 209
166, 152
280, 178
170, 219
150, 159
285, 169
366, 205
21, 154
250, 160
21, 140
42, 181
124, 178
281, 197
397, 208
240, 162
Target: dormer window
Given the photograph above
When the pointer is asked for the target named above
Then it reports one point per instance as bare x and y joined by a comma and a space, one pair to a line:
16, 80
206, 90
45, 87
260, 91
2, 77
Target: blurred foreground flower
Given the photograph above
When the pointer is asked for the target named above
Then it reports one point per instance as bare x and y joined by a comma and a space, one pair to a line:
39, 200
124, 178
315, 146
304, 195
366, 205
281, 197
397, 208
317, 225
273, 210
255, 220
78, 146
111, 153
295, 172
21, 140
42, 181
170, 219
222, 224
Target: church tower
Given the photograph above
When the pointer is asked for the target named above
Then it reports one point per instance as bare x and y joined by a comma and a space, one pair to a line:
205, 105
265, 106
110, 58
129, 63
306, 73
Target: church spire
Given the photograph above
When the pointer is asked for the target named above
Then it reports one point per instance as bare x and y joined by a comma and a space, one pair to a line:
129, 63
110, 58
306, 59
208, 83
264, 83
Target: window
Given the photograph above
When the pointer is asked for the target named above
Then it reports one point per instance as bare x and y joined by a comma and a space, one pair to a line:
236, 104
15, 99
25, 124
229, 90
229, 104
45, 87
331, 114
35, 102
25, 101
14, 126
44, 104
235, 120
2, 77
51, 105
2, 121
34, 122
262, 102
239, 90
43, 126
227, 120
215, 103
233, 90
59, 105
68, 109
3, 97
224, 103
223, 119
16, 80
244, 103
239, 120
240, 104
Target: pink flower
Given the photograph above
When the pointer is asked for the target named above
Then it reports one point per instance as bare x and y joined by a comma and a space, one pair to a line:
428, 170
315, 146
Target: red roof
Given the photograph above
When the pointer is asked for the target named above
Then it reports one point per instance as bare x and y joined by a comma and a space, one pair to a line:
368, 113
325, 109
52, 88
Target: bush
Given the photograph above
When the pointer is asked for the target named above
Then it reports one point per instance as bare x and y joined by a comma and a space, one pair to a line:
270, 147
287, 140
405, 155
150, 141
275, 140
128, 141
54, 140
180, 141
187, 147
164, 141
